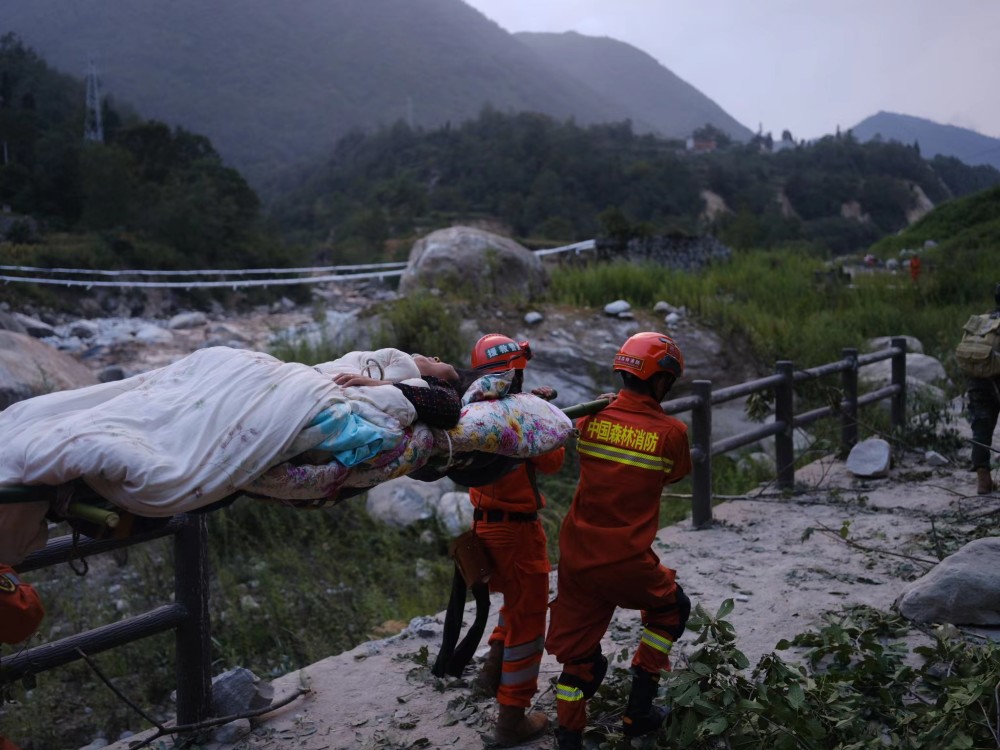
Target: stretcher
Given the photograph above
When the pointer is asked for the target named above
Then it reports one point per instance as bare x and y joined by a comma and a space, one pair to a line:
100, 515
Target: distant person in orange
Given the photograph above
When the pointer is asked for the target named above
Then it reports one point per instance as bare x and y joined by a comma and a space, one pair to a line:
506, 519
915, 268
628, 453
21, 613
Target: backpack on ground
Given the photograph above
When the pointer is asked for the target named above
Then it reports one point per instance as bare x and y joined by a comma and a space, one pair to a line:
978, 354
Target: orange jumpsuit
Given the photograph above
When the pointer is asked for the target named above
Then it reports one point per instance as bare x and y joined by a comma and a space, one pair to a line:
628, 453
20, 614
507, 521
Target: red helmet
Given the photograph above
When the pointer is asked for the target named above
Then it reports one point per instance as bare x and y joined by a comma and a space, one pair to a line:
495, 352
648, 353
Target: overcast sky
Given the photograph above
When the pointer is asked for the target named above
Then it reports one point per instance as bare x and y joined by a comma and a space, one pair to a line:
803, 65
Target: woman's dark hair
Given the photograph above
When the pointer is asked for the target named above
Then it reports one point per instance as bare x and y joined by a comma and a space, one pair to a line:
465, 379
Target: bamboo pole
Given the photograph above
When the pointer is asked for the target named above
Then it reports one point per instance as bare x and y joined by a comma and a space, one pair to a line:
588, 407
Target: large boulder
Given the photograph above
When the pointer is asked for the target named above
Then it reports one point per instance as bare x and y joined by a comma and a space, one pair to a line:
30, 368
473, 263
963, 589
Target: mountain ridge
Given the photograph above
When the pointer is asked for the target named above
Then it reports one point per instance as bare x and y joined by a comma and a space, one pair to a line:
644, 88
935, 139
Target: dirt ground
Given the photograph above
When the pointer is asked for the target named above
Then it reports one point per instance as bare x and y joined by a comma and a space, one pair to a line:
759, 551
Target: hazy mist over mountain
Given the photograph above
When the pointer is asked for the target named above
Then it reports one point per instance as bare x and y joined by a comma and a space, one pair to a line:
638, 85
277, 83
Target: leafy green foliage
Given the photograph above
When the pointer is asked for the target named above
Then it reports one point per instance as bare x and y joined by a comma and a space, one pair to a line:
423, 323
857, 684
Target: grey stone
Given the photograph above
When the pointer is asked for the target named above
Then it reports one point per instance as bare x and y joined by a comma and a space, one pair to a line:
913, 344
187, 320
870, 458
35, 327
30, 368
920, 367
533, 318
933, 458
963, 589
232, 732
617, 307
84, 329
10, 322
454, 512
475, 263
403, 502
238, 691
153, 334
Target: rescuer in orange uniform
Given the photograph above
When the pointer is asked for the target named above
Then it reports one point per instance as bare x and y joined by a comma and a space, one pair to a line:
20, 614
506, 516
628, 453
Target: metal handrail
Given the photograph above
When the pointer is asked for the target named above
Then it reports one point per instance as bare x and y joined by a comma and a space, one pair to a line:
785, 419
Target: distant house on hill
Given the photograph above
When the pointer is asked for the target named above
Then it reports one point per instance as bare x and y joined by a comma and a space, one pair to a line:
701, 144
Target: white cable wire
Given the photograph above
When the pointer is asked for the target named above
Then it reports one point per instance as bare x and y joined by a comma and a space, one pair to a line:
235, 284
390, 270
205, 272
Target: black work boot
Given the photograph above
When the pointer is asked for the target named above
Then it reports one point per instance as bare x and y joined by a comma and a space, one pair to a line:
567, 740
641, 716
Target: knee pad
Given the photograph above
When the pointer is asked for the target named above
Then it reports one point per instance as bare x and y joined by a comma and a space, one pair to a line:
681, 607
598, 669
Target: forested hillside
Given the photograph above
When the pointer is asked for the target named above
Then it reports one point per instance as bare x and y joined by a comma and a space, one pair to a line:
277, 83
551, 181
147, 195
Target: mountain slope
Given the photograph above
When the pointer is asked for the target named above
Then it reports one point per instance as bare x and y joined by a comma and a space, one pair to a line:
965, 145
277, 83
643, 89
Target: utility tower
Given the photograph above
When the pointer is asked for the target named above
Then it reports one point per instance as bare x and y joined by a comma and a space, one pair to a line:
93, 128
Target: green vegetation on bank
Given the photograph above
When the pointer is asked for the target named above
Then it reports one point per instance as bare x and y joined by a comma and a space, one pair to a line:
554, 181
147, 197
779, 305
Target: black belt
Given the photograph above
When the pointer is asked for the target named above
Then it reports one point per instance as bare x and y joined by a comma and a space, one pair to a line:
495, 516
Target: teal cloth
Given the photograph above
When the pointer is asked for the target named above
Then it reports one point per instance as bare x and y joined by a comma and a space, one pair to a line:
351, 440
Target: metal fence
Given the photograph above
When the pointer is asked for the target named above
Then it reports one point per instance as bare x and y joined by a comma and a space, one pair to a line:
782, 384
188, 613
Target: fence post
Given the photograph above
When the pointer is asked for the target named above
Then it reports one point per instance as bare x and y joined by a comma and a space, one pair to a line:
784, 411
898, 408
849, 405
193, 639
701, 440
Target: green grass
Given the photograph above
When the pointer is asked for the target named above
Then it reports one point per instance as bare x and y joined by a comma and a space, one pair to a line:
772, 306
